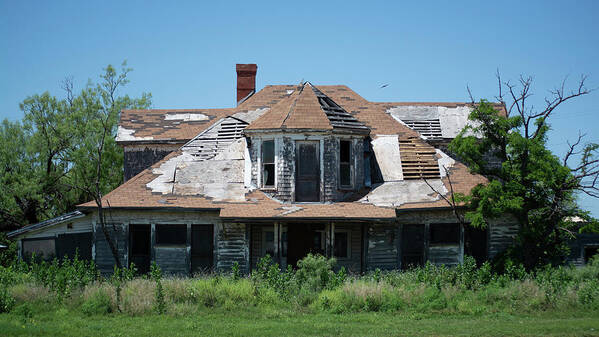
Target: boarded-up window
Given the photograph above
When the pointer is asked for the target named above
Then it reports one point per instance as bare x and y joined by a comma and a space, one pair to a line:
171, 234
345, 163
268, 163
342, 245
445, 234
43, 249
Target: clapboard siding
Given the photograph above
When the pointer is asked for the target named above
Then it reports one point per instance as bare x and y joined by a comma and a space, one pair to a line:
501, 236
80, 225
448, 255
382, 247
172, 260
353, 262
232, 246
104, 258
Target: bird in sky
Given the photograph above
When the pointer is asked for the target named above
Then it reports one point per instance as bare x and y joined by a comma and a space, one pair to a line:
384, 85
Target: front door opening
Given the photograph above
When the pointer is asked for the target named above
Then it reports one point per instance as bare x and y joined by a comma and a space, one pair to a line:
307, 179
303, 239
140, 245
412, 246
201, 248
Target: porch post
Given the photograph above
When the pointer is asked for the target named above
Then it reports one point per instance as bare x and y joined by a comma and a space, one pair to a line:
152, 242
277, 257
461, 252
188, 248
332, 239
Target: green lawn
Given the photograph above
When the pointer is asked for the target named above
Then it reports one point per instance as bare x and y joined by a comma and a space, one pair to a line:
277, 322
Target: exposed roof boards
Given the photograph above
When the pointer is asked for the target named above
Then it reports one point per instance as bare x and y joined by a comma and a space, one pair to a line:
338, 117
418, 160
429, 128
216, 138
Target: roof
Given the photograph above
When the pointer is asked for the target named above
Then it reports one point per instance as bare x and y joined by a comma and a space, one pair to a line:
181, 125
47, 223
207, 173
308, 108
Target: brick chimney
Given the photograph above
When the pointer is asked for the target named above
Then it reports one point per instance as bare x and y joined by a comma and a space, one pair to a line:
246, 80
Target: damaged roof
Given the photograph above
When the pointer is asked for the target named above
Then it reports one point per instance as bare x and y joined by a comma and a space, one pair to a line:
207, 172
308, 108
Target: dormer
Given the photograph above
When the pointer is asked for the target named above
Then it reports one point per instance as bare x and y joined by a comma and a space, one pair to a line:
307, 148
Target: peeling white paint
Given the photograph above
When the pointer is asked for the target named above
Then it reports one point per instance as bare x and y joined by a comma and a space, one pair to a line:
250, 116
397, 193
186, 117
247, 168
290, 209
220, 178
445, 162
452, 120
124, 134
386, 150
166, 173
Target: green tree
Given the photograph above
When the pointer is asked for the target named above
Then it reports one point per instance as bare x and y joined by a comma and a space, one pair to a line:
63, 152
525, 178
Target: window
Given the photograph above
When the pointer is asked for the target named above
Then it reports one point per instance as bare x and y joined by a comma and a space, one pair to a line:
342, 245
43, 249
268, 163
448, 234
269, 243
345, 163
171, 234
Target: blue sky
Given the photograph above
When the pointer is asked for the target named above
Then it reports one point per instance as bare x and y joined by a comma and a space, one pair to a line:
185, 54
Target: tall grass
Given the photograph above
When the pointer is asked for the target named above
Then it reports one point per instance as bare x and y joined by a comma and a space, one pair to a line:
464, 289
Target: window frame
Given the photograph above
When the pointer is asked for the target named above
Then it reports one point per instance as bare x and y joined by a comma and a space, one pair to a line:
347, 241
350, 163
262, 163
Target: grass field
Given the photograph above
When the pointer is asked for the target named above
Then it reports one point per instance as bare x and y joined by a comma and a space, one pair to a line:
281, 322
70, 298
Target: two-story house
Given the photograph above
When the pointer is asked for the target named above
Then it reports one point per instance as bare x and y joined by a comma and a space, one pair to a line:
292, 169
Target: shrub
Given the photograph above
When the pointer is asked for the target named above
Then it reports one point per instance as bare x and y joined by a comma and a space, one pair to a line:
6, 299
316, 272
156, 274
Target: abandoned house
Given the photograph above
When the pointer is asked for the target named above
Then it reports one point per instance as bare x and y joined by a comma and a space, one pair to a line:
292, 169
